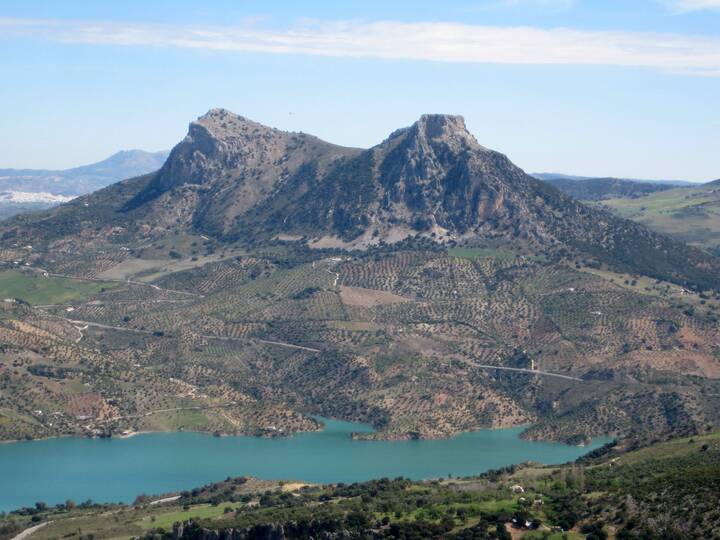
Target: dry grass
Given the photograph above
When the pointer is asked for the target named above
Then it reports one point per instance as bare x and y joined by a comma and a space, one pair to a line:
359, 296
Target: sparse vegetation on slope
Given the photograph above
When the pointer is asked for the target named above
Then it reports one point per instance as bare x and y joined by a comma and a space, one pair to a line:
426, 285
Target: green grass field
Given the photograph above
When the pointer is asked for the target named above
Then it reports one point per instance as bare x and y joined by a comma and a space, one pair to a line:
688, 214
166, 520
661, 202
675, 448
499, 505
35, 289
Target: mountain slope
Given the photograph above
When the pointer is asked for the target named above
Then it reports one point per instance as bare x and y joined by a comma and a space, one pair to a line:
467, 294
434, 179
230, 164
237, 180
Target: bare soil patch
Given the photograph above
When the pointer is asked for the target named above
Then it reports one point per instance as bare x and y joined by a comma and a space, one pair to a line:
359, 296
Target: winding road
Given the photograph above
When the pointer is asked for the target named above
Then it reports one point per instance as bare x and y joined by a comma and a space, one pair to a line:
27, 532
265, 341
172, 409
107, 280
76, 322
86, 324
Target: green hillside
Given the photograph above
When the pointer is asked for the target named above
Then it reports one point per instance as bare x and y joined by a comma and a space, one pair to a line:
690, 214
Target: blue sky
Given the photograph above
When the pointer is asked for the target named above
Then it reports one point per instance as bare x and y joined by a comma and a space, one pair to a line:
624, 88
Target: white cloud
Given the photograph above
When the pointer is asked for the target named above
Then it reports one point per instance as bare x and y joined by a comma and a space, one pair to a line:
684, 6
431, 41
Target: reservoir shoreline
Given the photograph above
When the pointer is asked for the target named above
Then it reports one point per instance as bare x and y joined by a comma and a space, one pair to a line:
119, 469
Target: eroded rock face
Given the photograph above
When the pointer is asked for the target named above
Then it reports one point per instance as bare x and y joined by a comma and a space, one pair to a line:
432, 176
234, 164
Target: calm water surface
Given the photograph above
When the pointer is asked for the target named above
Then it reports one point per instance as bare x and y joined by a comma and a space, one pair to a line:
114, 470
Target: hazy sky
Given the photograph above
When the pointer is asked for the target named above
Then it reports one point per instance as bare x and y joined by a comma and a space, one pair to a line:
608, 87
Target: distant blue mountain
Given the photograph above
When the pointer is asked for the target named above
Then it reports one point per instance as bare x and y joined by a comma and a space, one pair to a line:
84, 179
26, 190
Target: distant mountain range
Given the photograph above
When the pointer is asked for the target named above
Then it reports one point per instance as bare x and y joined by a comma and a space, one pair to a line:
598, 189
35, 189
83, 179
560, 176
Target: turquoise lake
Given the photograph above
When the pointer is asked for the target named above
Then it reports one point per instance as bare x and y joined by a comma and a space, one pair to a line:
116, 470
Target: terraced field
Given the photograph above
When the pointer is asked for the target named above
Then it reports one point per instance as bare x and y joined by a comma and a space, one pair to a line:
420, 343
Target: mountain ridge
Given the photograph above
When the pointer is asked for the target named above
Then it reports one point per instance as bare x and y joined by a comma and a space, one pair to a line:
426, 285
240, 181
575, 177
598, 189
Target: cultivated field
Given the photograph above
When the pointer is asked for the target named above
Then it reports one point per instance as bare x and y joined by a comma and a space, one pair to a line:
420, 343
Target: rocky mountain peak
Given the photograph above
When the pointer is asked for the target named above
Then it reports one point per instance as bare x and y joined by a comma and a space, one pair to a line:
218, 145
237, 180
438, 130
217, 113
244, 160
223, 124
442, 125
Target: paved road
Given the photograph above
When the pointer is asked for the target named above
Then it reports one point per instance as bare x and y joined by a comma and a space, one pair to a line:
268, 342
531, 371
310, 349
156, 287
206, 336
173, 409
105, 280
108, 326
